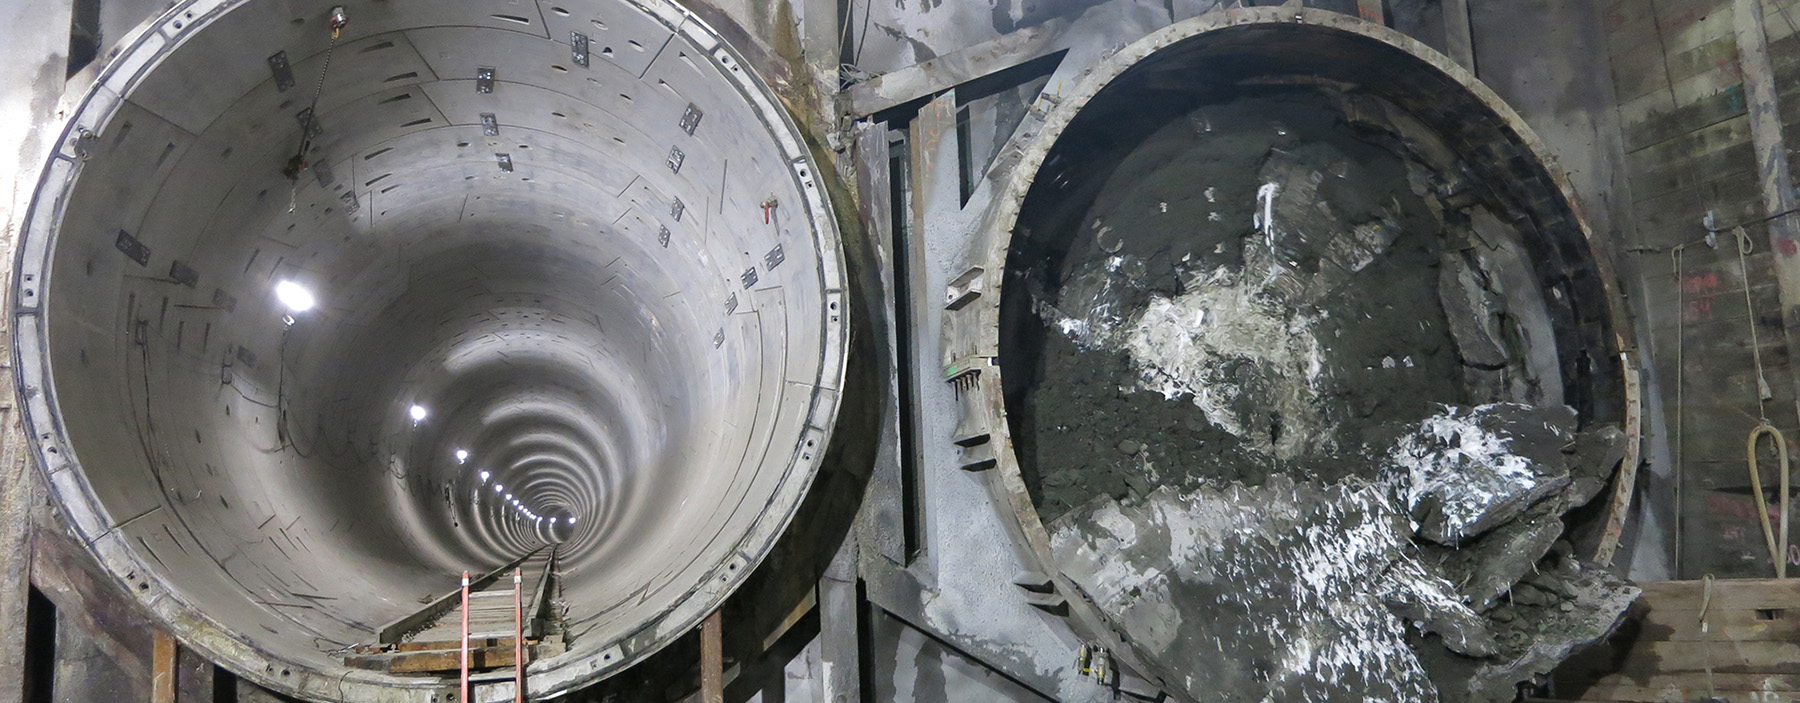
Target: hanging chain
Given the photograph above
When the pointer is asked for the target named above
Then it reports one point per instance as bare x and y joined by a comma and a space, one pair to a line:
338, 21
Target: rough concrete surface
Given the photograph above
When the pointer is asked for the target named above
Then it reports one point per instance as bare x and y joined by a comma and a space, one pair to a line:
35, 42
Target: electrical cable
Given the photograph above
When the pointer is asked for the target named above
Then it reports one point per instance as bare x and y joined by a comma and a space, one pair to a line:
1741, 225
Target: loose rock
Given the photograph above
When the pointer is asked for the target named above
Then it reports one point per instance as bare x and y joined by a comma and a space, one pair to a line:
1472, 469
1489, 566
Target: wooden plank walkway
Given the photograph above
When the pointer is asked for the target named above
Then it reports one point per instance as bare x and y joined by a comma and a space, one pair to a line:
435, 646
1750, 641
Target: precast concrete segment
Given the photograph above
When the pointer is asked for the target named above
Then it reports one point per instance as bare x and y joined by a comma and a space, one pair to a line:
548, 308
1504, 161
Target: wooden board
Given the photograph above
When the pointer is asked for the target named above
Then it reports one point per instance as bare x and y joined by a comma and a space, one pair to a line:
437, 660
1751, 644
1725, 657
1666, 625
395, 631
163, 652
1756, 688
422, 646
1727, 594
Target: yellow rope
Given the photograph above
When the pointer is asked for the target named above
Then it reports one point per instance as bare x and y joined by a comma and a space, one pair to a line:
1777, 552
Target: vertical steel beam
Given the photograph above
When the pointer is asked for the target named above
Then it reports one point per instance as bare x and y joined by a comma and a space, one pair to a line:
163, 655
882, 504
938, 226
1458, 41
840, 635
1776, 180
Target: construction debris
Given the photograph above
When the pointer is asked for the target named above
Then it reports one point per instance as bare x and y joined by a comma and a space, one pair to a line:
1337, 591
1293, 424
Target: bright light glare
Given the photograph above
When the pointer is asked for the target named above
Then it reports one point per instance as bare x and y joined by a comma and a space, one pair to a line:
462, 455
418, 413
295, 296
571, 521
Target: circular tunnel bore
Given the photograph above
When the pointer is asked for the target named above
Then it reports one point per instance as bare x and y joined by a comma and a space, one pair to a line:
1178, 340
528, 291
1306, 360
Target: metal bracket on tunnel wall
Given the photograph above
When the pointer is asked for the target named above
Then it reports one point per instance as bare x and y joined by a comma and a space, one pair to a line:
132, 248
964, 289
281, 71
578, 49
690, 119
976, 445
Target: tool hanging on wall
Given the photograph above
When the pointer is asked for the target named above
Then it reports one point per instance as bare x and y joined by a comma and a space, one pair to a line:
337, 21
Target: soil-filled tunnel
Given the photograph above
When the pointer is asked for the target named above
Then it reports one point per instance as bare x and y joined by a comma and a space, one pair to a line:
1290, 354
552, 272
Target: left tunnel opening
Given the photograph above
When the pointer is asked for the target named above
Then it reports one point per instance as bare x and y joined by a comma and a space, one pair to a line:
546, 308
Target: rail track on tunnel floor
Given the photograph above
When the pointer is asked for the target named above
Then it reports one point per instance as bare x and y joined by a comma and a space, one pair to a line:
427, 642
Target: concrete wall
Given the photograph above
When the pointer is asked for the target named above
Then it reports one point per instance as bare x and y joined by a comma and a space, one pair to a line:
1686, 138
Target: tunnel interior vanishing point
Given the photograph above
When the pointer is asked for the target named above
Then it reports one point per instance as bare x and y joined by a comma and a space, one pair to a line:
587, 295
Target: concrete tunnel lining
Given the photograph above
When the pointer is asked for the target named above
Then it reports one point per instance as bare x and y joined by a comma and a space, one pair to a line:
1298, 47
665, 372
